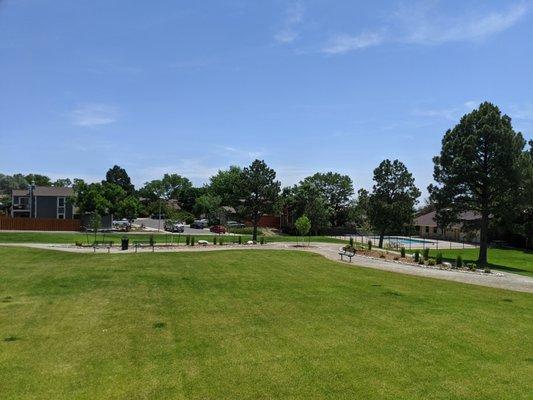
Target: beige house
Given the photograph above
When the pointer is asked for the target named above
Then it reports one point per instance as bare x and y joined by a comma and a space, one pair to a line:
426, 226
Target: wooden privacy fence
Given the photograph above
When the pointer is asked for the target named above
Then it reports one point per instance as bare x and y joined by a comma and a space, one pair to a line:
39, 224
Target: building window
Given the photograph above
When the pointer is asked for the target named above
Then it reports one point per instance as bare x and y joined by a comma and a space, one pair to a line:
435, 229
60, 208
427, 229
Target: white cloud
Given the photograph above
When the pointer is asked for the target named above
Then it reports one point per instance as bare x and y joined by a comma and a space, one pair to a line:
523, 112
246, 154
345, 43
423, 23
449, 113
294, 15
94, 114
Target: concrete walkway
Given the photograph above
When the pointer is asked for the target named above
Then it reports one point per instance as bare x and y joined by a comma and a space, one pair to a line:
498, 279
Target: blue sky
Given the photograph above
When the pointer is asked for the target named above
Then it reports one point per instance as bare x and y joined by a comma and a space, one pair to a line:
192, 87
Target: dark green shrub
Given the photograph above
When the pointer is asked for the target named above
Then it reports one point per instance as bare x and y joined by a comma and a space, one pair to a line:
351, 241
420, 260
417, 255
439, 258
471, 266
402, 252
221, 241
486, 270
431, 261
79, 244
459, 262
152, 240
262, 240
240, 239
215, 240
188, 240
426, 254
369, 245
192, 240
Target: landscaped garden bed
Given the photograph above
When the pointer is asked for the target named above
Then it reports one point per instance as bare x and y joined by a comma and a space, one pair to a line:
418, 259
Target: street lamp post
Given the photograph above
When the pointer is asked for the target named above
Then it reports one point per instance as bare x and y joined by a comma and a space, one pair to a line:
159, 219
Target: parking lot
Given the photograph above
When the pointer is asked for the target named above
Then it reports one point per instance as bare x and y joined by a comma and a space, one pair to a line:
153, 224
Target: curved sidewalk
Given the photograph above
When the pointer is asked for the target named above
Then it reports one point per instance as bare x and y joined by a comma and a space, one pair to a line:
500, 280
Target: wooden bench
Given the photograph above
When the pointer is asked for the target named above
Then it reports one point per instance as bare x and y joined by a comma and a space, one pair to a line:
143, 243
344, 253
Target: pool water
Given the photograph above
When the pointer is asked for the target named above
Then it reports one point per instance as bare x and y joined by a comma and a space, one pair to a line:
402, 240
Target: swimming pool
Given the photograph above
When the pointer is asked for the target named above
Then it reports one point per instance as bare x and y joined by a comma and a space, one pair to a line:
403, 240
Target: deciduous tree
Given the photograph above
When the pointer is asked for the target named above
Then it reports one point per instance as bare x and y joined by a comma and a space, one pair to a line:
394, 195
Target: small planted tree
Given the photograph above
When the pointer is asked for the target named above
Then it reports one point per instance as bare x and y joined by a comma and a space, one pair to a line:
439, 258
417, 255
303, 226
192, 241
426, 254
402, 252
188, 240
369, 245
459, 262
95, 223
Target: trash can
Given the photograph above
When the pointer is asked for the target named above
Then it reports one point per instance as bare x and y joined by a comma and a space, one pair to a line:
125, 243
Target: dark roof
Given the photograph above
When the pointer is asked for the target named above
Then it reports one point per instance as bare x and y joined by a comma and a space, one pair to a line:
429, 218
46, 191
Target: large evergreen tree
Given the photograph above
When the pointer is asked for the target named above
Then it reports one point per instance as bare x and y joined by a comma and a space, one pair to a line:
120, 177
259, 191
394, 195
477, 169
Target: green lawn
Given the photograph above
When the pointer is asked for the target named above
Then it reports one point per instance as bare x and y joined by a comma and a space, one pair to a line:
161, 238
252, 325
518, 261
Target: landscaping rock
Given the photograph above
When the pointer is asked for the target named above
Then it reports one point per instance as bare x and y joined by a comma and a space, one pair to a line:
446, 264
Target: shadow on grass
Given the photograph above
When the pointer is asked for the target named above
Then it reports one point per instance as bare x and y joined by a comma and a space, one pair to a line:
491, 266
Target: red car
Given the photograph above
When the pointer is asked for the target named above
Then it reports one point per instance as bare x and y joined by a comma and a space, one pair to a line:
218, 229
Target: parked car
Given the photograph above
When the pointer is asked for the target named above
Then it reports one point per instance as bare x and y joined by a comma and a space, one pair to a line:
235, 224
174, 226
218, 229
200, 224
122, 225
158, 216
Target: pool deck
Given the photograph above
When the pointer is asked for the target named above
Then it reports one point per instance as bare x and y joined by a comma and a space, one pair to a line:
415, 243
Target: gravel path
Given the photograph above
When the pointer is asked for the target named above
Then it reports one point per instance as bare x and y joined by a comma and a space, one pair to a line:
499, 279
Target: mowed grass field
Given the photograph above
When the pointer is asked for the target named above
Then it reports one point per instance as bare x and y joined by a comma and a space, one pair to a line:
517, 261
160, 238
252, 325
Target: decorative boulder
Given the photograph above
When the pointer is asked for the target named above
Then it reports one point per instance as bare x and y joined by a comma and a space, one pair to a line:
203, 242
250, 242
447, 265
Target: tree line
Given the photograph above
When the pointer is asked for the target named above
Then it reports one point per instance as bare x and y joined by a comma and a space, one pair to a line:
484, 166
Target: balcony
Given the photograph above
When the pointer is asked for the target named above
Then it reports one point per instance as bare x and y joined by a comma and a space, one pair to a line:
21, 207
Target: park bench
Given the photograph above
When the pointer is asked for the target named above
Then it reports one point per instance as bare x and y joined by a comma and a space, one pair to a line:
143, 243
103, 244
343, 253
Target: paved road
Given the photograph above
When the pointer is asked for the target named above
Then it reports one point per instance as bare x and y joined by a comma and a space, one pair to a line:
154, 224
